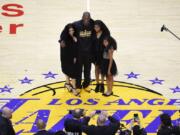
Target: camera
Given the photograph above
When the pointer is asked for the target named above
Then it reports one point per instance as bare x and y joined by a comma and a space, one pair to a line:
136, 117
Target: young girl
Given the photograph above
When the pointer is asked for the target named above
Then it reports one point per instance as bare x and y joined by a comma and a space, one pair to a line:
69, 57
101, 31
108, 66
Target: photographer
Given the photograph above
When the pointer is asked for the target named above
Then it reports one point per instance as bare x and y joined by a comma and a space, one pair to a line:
73, 125
135, 126
166, 127
101, 128
123, 130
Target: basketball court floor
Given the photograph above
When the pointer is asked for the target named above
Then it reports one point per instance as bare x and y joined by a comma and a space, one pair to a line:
148, 60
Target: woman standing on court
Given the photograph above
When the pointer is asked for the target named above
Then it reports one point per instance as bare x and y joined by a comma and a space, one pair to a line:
69, 57
101, 31
108, 65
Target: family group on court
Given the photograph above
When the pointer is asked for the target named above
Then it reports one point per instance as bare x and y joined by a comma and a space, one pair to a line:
82, 43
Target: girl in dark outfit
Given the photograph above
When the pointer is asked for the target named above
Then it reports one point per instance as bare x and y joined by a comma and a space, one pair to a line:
101, 32
108, 65
69, 57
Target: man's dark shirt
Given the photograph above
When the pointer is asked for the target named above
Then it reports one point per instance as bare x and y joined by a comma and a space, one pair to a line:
6, 127
85, 36
109, 129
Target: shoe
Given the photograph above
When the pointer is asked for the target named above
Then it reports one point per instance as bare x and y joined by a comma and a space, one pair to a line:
68, 86
97, 87
75, 92
79, 87
101, 88
85, 84
107, 95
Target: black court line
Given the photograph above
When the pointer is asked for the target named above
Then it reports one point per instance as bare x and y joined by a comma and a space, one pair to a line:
54, 89
49, 89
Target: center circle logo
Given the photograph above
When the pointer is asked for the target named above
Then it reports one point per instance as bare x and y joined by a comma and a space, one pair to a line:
52, 103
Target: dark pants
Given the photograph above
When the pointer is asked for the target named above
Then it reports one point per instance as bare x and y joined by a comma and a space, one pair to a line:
84, 64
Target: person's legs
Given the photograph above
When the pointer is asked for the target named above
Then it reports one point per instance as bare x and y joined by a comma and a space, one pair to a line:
102, 79
110, 83
67, 84
67, 79
74, 90
101, 85
73, 83
87, 70
97, 73
109, 80
79, 73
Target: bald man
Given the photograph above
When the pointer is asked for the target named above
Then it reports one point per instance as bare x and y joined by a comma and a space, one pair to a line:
6, 127
41, 125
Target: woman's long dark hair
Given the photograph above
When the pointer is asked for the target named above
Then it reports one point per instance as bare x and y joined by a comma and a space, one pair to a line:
66, 35
112, 42
103, 27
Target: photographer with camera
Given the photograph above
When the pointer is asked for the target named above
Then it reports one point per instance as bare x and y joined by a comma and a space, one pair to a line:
73, 126
123, 130
135, 126
102, 128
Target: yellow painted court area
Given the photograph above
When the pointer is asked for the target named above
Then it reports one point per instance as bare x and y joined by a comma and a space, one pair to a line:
41, 98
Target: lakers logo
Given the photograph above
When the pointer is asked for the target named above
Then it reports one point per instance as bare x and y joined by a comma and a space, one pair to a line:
52, 103
85, 33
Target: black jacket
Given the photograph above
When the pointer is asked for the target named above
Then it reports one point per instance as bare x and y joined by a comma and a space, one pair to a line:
75, 126
98, 48
6, 127
109, 129
171, 130
70, 51
85, 36
44, 132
